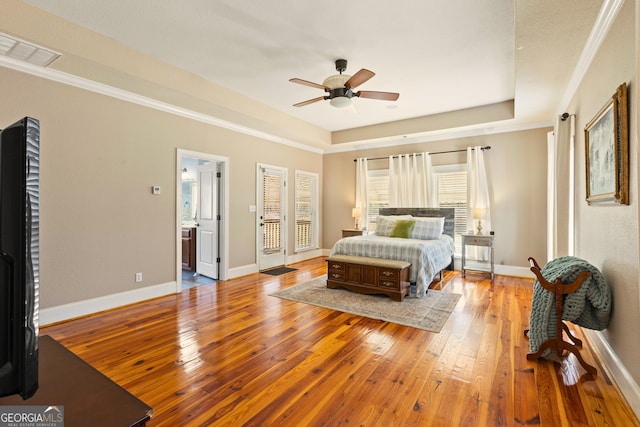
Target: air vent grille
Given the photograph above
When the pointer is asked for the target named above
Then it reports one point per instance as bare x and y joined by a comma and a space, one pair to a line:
25, 51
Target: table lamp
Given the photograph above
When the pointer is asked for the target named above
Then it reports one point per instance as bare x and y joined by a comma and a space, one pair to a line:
355, 213
479, 214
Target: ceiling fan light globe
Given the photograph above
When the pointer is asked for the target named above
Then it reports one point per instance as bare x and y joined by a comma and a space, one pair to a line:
340, 102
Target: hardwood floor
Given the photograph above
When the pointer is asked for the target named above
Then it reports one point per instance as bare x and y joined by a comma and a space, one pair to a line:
229, 354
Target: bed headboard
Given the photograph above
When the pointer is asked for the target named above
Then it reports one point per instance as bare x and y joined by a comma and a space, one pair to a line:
447, 213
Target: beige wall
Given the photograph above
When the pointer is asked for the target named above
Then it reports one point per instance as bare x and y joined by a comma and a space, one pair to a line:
99, 158
607, 235
516, 167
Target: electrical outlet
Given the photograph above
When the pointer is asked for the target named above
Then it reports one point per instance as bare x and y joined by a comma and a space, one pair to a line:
138, 277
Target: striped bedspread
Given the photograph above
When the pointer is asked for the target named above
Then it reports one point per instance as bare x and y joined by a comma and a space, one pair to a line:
427, 257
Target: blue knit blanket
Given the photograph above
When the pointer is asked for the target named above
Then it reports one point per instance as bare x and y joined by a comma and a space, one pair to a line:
589, 306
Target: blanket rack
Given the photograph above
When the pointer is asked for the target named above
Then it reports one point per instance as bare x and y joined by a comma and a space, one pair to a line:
560, 289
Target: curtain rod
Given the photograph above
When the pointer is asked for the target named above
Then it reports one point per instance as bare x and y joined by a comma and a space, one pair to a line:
488, 147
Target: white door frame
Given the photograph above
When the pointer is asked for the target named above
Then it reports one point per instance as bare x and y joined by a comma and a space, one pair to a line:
223, 273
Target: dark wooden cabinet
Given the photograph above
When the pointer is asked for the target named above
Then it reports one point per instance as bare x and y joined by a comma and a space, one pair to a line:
88, 397
189, 249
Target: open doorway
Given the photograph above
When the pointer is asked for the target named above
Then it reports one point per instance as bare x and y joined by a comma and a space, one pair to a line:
202, 218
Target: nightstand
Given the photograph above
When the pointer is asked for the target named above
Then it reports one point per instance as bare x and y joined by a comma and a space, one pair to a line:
350, 232
482, 240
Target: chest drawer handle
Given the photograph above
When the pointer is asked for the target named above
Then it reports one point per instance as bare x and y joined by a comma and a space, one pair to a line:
336, 267
335, 276
387, 273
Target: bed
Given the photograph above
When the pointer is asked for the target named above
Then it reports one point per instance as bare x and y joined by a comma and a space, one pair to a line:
428, 257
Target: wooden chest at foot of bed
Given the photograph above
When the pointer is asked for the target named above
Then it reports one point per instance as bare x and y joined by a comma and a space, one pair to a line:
369, 275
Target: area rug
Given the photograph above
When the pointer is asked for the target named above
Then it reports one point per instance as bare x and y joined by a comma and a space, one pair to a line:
429, 313
278, 271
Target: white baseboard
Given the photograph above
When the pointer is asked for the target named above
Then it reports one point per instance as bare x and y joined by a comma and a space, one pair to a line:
303, 256
628, 387
511, 270
82, 308
242, 270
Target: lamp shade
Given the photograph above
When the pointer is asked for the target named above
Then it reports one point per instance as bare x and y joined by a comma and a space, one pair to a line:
336, 81
355, 213
479, 213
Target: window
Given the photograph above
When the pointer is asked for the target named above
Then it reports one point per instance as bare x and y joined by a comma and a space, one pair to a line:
272, 192
452, 193
378, 195
306, 196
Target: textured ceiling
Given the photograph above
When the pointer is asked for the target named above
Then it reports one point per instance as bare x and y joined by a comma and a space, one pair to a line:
440, 55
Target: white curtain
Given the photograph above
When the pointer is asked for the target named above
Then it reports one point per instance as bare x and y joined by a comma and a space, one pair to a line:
478, 196
561, 184
362, 169
411, 183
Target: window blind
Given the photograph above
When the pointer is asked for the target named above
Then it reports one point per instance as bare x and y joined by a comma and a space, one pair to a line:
272, 205
305, 210
452, 193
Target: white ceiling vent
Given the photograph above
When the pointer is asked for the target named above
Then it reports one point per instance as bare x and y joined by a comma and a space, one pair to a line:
25, 51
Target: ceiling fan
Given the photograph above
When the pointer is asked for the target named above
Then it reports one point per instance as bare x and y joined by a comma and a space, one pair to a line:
339, 87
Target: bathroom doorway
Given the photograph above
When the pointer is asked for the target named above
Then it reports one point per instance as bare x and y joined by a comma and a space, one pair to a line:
202, 212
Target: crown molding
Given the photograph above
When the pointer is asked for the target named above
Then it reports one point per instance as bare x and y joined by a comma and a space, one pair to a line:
438, 136
123, 95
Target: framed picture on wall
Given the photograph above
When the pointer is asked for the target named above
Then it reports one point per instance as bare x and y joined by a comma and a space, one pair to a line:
607, 151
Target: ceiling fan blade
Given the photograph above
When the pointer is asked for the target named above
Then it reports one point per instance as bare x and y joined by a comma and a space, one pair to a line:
308, 83
309, 101
358, 78
385, 96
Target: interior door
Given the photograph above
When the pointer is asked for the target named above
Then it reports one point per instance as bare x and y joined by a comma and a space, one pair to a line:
207, 221
271, 217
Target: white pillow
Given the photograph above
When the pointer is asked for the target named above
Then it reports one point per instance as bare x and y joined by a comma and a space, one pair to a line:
427, 228
384, 223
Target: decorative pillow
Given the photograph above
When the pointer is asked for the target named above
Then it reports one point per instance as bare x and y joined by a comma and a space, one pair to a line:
384, 223
402, 228
427, 228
